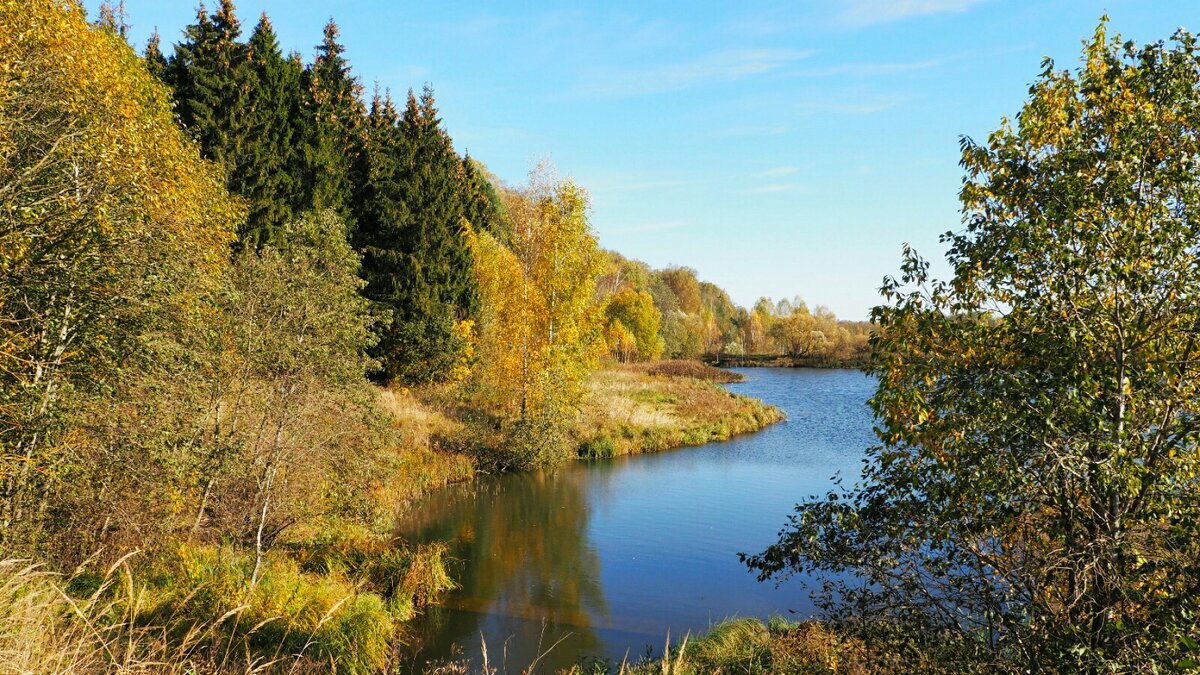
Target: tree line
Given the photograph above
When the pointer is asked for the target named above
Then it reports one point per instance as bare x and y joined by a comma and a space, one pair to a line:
205, 257
672, 313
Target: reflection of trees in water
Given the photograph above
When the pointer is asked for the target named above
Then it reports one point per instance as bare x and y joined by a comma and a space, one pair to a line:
522, 556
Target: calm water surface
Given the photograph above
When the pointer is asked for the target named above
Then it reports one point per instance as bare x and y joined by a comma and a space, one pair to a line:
603, 559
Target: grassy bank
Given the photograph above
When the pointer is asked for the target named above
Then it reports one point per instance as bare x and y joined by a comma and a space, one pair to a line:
208, 609
750, 646
638, 408
332, 593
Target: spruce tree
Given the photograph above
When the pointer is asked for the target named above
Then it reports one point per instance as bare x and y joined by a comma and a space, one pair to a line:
482, 206
411, 233
210, 78
156, 63
439, 212
113, 20
383, 230
263, 172
334, 113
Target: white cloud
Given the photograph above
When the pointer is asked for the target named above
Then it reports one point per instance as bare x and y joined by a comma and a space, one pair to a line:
778, 171
722, 66
868, 12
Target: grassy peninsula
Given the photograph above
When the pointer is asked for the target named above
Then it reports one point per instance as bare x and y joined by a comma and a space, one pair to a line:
637, 408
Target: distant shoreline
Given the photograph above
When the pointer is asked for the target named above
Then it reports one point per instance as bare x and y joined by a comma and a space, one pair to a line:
780, 361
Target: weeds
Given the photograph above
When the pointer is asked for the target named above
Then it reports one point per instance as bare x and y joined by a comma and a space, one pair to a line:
630, 410
45, 629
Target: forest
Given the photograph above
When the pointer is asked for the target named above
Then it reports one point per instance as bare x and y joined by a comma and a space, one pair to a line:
250, 313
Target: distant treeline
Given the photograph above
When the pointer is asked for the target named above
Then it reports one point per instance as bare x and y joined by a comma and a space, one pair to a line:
670, 312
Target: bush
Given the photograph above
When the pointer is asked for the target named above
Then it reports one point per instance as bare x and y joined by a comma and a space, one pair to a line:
597, 448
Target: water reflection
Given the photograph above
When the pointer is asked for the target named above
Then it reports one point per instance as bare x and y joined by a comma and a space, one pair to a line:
610, 557
526, 569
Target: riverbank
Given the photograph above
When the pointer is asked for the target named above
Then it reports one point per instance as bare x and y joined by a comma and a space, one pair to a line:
855, 362
747, 645
333, 592
637, 408
628, 409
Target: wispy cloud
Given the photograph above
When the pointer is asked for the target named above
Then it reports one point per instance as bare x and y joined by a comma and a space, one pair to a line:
851, 106
655, 226
869, 12
869, 69
750, 130
717, 67
775, 188
777, 171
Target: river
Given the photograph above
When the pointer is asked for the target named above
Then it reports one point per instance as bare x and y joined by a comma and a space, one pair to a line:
604, 558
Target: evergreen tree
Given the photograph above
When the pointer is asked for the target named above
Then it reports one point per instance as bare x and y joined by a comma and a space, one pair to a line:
112, 19
210, 78
412, 214
156, 63
439, 212
264, 170
482, 205
334, 113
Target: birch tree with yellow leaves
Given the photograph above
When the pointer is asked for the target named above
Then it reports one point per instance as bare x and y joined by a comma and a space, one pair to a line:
539, 327
111, 228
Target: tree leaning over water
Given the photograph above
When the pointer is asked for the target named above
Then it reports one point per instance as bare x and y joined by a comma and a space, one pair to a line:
1035, 503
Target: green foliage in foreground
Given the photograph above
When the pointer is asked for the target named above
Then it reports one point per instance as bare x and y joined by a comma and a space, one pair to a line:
1035, 505
199, 609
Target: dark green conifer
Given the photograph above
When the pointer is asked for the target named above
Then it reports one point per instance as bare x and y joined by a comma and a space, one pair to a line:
211, 83
156, 63
481, 203
334, 113
264, 171
411, 234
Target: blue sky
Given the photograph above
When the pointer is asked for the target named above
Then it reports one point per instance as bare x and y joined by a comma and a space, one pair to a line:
778, 148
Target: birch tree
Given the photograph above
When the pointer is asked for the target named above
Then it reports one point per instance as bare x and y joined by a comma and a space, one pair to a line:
539, 326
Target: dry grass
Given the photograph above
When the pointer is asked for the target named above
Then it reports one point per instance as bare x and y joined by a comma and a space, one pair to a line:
423, 464
47, 631
418, 422
630, 410
732, 647
693, 369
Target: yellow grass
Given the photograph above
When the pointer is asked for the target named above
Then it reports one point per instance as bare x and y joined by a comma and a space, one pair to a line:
424, 464
630, 410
